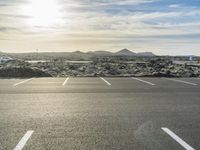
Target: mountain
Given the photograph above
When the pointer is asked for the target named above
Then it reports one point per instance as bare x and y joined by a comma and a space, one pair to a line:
76, 55
78, 52
125, 52
103, 53
150, 54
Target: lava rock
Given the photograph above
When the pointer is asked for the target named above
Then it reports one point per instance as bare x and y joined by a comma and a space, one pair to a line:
22, 72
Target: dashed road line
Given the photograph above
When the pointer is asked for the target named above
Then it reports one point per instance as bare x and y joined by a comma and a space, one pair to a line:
143, 81
106, 81
24, 140
177, 139
65, 82
181, 81
23, 82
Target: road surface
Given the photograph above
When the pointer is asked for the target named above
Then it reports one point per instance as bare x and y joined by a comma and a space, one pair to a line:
100, 114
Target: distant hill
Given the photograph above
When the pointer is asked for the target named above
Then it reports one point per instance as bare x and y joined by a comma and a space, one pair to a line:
125, 52
146, 54
76, 55
103, 53
78, 52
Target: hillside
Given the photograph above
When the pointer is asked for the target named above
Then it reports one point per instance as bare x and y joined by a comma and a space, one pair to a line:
125, 52
77, 55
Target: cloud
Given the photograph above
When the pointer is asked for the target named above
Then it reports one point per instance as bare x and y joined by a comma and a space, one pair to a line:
111, 23
107, 2
174, 6
3, 29
10, 2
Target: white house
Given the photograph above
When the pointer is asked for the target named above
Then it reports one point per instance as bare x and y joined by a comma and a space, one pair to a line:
5, 58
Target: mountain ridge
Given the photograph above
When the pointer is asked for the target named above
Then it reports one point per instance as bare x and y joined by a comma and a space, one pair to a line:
123, 52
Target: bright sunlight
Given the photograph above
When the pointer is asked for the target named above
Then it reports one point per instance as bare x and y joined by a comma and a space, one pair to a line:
43, 12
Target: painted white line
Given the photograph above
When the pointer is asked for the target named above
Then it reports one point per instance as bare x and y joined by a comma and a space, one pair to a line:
181, 81
177, 139
23, 141
65, 82
23, 82
143, 81
105, 81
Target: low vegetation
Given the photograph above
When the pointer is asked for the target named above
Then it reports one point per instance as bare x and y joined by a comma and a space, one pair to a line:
100, 66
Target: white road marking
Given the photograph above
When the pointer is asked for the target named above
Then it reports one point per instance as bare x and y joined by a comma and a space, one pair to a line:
64, 83
23, 141
105, 81
181, 81
23, 82
143, 81
177, 139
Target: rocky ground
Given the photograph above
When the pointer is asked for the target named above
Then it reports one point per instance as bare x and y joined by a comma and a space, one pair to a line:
99, 67
20, 69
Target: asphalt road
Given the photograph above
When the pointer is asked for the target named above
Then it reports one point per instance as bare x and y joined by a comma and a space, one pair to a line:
99, 114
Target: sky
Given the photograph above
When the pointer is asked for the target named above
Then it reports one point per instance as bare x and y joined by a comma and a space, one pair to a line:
164, 27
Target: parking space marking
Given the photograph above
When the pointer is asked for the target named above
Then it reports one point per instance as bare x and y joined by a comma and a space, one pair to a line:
177, 139
181, 81
106, 81
65, 82
24, 140
23, 82
143, 81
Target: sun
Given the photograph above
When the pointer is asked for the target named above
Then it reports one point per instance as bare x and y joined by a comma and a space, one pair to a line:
43, 12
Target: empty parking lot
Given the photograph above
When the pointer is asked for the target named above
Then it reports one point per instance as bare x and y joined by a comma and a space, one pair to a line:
100, 113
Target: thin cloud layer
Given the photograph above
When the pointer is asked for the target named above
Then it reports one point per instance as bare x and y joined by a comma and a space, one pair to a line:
163, 27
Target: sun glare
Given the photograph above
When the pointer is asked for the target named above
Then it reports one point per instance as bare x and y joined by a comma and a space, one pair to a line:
43, 12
